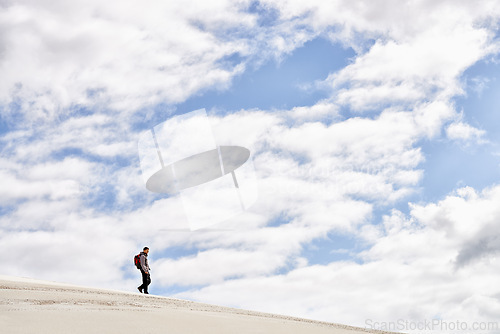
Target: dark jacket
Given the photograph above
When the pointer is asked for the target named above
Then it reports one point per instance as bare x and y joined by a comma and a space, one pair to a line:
144, 262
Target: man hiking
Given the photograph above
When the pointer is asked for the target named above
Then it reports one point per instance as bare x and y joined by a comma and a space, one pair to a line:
146, 277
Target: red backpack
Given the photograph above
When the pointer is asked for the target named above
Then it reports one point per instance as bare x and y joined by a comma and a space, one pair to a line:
137, 261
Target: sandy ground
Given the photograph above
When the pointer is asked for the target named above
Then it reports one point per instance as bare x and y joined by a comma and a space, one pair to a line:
31, 306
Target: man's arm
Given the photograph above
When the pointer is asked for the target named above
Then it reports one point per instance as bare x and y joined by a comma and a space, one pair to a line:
143, 264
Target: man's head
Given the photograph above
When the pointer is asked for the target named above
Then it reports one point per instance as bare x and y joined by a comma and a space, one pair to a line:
145, 250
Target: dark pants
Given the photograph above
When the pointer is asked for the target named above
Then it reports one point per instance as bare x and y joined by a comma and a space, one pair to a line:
146, 280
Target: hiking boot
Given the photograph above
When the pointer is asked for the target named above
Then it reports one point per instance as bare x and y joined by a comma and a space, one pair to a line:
140, 290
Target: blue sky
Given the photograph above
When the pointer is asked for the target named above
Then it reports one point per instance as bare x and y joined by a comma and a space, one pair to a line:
278, 84
372, 129
449, 164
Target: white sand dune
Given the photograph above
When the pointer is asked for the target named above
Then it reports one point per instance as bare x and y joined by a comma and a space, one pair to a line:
32, 306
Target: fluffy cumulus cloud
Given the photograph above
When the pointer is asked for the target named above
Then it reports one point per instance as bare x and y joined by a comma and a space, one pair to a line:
439, 262
57, 56
81, 81
464, 131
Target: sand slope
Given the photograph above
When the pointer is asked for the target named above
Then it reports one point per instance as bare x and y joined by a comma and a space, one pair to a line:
31, 306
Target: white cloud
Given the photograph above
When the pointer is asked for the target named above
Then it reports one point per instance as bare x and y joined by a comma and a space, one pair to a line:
57, 56
215, 265
410, 272
317, 112
416, 69
57, 183
105, 55
465, 132
356, 21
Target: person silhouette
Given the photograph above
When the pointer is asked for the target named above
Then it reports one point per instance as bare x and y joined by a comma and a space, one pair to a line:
145, 271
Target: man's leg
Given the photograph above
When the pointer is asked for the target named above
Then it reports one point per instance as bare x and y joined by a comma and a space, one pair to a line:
146, 282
